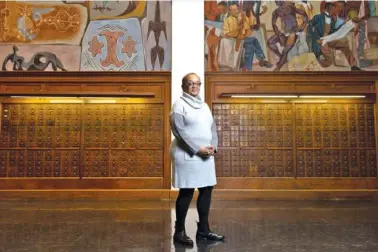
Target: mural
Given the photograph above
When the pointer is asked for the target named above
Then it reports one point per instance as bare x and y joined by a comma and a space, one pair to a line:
157, 34
292, 35
85, 35
113, 45
40, 57
42, 23
116, 9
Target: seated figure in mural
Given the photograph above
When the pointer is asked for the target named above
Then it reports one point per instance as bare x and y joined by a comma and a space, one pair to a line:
237, 26
287, 38
325, 24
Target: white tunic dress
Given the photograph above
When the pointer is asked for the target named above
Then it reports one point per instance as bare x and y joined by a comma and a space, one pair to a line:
193, 126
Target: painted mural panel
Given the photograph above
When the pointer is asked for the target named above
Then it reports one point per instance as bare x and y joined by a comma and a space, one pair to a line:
42, 22
113, 45
85, 35
157, 34
291, 35
40, 57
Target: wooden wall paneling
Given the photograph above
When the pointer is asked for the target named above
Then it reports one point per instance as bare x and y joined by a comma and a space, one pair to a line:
99, 183
131, 195
167, 174
299, 183
376, 128
3, 155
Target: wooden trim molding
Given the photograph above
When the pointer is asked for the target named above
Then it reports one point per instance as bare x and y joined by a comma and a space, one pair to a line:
115, 84
294, 77
171, 195
79, 184
221, 85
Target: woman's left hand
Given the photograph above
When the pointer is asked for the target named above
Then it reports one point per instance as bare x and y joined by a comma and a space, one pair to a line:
212, 150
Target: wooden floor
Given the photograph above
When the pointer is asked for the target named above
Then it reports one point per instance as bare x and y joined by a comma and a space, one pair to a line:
111, 226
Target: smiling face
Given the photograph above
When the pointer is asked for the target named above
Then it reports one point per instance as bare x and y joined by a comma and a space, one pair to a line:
192, 85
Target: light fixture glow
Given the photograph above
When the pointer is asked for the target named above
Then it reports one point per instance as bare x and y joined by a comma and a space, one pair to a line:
310, 101
274, 101
66, 101
332, 96
264, 96
100, 101
41, 97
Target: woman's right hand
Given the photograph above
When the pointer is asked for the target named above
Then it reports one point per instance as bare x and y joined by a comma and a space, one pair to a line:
204, 151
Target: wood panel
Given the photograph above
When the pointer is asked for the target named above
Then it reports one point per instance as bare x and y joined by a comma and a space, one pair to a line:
288, 145
166, 194
76, 146
105, 194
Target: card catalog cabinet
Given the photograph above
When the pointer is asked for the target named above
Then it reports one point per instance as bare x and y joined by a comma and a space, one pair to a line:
120, 142
267, 143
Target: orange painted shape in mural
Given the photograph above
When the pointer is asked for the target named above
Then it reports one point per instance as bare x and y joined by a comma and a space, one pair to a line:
111, 40
95, 46
129, 46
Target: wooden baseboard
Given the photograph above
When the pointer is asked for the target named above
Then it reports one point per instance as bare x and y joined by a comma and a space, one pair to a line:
278, 184
61, 184
365, 194
171, 195
127, 194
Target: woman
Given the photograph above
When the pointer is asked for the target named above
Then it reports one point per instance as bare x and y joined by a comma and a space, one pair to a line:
192, 153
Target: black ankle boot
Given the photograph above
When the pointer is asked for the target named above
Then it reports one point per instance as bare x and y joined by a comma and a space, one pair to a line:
181, 237
204, 232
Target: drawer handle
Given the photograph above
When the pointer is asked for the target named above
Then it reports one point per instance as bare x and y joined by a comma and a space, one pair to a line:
124, 89
251, 87
334, 87
42, 88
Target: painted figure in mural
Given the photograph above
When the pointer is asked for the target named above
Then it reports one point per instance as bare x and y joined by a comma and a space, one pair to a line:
212, 43
307, 7
238, 26
322, 25
255, 9
157, 26
339, 16
211, 10
287, 38
40, 61
223, 12
359, 12
15, 59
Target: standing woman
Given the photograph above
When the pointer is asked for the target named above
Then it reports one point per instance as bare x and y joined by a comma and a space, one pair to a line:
192, 154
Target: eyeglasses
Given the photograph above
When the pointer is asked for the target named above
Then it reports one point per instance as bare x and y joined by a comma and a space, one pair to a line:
191, 84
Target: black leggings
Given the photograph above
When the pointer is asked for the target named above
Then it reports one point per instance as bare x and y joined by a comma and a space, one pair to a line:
203, 205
